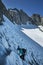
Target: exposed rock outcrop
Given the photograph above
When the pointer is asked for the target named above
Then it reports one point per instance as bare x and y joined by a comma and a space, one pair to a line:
15, 14
37, 19
24, 17
19, 16
41, 20
4, 11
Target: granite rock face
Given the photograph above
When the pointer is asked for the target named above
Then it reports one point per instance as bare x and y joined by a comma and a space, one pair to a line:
19, 16
37, 19
41, 20
4, 11
25, 18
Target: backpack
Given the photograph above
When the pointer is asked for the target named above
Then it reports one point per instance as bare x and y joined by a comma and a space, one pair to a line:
21, 52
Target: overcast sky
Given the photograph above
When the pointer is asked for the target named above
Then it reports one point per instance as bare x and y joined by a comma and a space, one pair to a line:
29, 6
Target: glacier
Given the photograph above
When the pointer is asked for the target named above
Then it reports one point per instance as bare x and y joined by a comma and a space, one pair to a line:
25, 36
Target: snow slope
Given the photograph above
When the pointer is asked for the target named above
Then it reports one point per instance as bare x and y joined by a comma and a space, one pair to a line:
13, 35
34, 34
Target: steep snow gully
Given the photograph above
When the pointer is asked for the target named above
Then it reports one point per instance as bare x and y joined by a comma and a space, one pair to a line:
12, 36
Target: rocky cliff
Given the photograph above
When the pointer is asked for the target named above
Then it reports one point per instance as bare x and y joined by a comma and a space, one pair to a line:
19, 16
4, 11
38, 20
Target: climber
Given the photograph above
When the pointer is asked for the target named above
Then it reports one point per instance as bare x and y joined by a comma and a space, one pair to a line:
21, 52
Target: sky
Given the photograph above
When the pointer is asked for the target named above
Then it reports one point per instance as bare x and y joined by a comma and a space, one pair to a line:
29, 6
